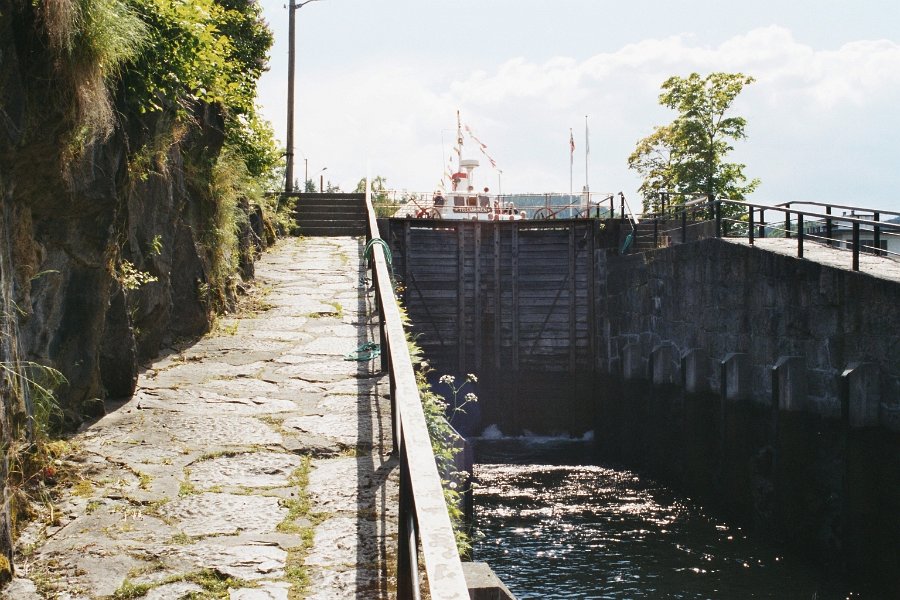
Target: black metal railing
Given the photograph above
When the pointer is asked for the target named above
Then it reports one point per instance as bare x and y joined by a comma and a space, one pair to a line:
817, 227
678, 218
735, 218
424, 527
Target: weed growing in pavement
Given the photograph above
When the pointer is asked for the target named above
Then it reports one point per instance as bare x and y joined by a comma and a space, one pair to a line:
186, 487
83, 489
180, 539
144, 480
337, 313
214, 583
301, 521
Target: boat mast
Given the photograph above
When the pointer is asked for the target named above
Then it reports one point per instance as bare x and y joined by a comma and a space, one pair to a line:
459, 143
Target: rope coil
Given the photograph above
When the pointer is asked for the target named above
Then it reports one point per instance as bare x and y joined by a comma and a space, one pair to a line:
367, 351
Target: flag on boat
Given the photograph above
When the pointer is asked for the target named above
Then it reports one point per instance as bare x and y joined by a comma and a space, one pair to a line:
481, 146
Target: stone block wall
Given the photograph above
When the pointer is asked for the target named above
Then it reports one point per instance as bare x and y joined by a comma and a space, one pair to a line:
764, 385
751, 309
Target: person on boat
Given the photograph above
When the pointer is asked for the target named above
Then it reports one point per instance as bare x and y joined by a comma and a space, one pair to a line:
438, 199
483, 200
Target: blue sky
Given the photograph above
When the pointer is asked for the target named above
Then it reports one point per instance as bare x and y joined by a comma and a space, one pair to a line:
379, 83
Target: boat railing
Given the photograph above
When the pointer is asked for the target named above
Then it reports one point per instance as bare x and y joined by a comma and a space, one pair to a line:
599, 205
424, 527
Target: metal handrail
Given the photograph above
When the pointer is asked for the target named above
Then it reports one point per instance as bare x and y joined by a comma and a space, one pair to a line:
698, 205
856, 223
829, 206
630, 215
424, 523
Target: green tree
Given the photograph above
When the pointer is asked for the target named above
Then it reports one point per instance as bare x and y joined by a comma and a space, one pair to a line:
384, 205
379, 188
688, 156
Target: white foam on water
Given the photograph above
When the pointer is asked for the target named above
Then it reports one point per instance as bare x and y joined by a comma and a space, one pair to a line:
493, 432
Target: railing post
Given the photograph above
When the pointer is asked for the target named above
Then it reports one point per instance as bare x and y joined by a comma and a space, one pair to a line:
407, 563
683, 224
877, 237
395, 411
656, 232
762, 223
856, 245
718, 208
612, 206
382, 336
799, 235
622, 204
787, 224
828, 226
752, 226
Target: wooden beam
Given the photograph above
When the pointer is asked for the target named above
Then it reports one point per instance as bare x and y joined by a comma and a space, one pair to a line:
498, 312
461, 295
478, 315
591, 292
572, 299
514, 316
406, 254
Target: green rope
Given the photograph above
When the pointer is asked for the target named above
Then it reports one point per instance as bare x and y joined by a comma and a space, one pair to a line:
387, 251
628, 240
388, 257
367, 351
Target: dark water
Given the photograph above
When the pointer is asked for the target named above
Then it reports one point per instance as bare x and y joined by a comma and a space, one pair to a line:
572, 529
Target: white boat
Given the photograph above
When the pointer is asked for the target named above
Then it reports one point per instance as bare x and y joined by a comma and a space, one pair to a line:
466, 200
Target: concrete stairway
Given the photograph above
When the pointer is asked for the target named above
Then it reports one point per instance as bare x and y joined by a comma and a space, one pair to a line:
330, 214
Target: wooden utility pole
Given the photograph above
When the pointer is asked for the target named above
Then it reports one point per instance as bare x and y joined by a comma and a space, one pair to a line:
289, 141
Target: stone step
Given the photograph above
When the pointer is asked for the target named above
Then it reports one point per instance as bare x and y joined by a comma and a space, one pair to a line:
354, 204
329, 213
324, 229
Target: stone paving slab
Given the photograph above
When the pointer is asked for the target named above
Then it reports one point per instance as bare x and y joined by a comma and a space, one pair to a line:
201, 473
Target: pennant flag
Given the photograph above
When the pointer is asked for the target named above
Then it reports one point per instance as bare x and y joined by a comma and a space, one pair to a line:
481, 146
587, 137
571, 146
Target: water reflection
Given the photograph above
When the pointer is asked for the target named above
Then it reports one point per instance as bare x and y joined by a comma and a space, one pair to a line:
577, 530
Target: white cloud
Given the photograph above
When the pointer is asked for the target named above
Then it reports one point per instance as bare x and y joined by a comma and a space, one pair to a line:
395, 114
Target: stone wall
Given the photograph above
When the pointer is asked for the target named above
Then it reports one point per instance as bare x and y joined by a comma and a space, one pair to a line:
767, 387
712, 300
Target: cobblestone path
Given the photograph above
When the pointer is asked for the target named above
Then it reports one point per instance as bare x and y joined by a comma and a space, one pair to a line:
195, 487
